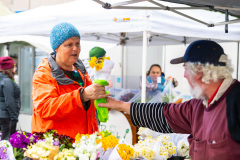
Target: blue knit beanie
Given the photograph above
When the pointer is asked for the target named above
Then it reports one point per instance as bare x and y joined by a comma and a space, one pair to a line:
61, 32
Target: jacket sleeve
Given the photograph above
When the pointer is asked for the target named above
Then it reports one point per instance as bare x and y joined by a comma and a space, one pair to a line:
49, 103
233, 112
179, 116
8, 91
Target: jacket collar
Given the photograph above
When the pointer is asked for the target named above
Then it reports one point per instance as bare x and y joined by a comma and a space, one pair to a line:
227, 82
3, 75
58, 73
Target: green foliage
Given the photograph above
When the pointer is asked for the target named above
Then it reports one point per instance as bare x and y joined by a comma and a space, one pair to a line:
18, 153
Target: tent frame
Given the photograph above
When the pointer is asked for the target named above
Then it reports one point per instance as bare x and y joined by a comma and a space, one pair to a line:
160, 6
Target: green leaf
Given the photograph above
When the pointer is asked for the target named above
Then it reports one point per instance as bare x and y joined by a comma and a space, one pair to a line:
62, 147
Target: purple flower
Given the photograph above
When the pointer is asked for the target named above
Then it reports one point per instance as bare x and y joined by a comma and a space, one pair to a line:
56, 143
21, 140
3, 152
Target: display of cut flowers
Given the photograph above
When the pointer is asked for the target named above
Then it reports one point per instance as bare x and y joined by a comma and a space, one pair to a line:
102, 69
97, 146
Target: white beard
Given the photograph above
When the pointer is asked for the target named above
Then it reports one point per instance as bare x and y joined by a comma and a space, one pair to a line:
196, 91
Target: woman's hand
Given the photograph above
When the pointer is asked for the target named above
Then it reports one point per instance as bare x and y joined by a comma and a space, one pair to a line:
94, 91
117, 105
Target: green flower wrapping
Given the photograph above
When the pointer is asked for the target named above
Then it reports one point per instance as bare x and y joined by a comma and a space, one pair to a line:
102, 112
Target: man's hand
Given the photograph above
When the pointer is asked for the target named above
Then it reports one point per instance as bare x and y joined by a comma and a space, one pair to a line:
94, 91
117, 105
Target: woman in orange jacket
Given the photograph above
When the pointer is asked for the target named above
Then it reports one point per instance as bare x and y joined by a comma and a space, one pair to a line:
62, 92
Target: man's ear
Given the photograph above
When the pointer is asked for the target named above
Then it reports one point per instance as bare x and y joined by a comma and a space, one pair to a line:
199, 75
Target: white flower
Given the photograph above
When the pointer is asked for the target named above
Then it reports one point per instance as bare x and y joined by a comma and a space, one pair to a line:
183, 148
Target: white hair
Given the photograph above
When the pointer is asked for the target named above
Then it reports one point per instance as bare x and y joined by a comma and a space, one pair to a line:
211, 72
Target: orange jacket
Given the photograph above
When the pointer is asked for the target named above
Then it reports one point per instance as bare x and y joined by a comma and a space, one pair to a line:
58, 106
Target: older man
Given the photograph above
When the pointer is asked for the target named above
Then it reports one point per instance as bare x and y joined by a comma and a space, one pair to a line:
212, 119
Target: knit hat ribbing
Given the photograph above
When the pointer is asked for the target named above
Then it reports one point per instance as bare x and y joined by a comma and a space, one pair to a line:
6, 63
61, 32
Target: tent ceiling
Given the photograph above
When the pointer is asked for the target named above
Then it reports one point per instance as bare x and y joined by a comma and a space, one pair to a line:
98, 24
231, 7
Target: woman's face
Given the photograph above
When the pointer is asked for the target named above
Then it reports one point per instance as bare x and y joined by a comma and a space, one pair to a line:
68, 52
155, 72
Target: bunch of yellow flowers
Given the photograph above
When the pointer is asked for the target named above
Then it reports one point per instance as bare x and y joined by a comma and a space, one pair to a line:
168, 150
125, 151
144, 150
108, 142
97, 62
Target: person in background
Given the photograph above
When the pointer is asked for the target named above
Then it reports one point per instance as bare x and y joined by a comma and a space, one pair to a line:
156, 79
9, 98
211, 118
62, 91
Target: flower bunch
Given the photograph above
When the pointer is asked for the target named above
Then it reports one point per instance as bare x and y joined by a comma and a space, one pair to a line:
168, 148
125, 151
21, 140
62, 140
182, 148
43, 149
86, 147
66, 154
141, 149
108, 142
3, 152
4, 145
144, 148
97, 63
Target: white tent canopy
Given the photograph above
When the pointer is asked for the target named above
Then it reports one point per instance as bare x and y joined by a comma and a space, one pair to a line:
142, 27
96, 23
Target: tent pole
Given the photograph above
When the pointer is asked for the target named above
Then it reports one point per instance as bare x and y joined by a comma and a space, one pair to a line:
238, 60
124, 66
144, 63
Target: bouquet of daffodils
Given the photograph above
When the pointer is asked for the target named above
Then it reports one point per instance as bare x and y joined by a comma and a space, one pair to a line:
86, 147
122, 151
102, 69
167, 148
143, 149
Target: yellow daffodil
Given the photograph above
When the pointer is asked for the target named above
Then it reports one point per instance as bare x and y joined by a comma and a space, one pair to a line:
98, 66
108, 142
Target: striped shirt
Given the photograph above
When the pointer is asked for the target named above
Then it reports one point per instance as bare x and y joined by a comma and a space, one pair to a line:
150, 115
